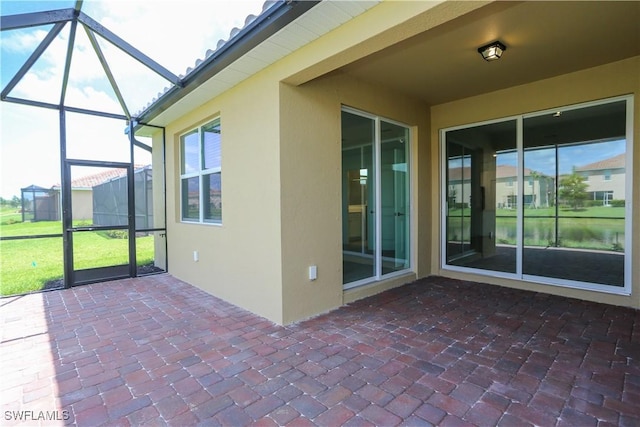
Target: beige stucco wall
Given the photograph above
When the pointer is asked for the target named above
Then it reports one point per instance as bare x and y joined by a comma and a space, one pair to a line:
281, 168
240, 260
281, 155
82, 202
311, 199
615, 79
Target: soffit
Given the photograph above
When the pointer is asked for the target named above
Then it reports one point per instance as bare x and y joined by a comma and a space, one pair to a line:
319, 20
543, 39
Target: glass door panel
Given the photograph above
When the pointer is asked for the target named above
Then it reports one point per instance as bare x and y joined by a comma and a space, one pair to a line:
358, 198
375, 198
481, 169
99, 231
394, 196
574, 198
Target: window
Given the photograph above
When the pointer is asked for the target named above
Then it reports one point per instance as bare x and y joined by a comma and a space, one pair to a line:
544, 222
201, 174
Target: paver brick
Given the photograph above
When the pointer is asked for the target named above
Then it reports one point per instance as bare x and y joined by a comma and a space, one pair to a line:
156, 351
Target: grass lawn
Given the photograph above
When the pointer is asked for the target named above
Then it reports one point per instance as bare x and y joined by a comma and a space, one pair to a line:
9, 214
27, 265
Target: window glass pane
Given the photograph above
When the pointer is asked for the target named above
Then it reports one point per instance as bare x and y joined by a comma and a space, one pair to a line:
191, 198
481, 186
394, 177
190, 153
574, 220
212, 194
211, 145
358, 198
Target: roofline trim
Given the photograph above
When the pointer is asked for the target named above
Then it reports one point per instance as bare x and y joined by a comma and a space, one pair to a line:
264, 26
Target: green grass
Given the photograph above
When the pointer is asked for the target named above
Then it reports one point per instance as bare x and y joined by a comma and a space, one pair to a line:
27, 265
9, 215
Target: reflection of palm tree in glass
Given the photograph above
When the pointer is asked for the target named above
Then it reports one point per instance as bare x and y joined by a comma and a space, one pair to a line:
535, 176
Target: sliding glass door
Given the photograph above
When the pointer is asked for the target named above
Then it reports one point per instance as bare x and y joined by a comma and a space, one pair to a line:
481, 184
375, 197
575, 162
542, 197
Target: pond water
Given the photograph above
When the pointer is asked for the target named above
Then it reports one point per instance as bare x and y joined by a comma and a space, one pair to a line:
587, 233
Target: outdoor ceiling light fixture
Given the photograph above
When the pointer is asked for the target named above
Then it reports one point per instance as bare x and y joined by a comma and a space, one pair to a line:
492, 51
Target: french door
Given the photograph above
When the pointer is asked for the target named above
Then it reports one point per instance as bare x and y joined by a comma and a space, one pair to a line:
375, 197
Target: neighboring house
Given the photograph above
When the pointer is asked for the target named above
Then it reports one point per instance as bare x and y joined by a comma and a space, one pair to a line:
606, 179
99, 197
329, 167
82, 192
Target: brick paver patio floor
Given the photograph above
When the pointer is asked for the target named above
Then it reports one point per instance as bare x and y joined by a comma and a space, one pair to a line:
157, 351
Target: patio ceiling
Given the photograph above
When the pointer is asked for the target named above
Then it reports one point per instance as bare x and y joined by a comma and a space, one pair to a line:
543, 39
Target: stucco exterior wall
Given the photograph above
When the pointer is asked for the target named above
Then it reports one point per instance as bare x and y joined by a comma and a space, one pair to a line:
281, 168
240, 260
82, 202
310, 176
615, 79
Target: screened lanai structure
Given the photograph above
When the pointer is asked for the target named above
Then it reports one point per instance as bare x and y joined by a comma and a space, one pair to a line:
85, 135
90, 90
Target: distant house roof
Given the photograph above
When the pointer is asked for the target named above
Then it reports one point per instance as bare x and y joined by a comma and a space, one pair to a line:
616, 162
90, 181
34, 188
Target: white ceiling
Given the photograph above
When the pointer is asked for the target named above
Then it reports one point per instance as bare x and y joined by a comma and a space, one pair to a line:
543, 39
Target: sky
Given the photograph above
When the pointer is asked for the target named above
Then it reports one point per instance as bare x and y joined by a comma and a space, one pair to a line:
569, 156
173, 33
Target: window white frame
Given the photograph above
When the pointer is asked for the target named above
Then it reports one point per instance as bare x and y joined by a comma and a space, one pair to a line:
518, 275
200, 172
378, 275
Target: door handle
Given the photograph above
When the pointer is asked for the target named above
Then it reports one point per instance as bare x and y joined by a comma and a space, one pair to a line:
398, 214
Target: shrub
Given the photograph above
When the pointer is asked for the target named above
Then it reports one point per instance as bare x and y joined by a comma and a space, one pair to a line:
617, 203
115, 234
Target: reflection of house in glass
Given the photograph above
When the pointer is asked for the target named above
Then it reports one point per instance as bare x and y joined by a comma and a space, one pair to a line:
605, 179
539, 189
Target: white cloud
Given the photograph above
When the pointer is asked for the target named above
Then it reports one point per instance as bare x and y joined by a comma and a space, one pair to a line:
22, 41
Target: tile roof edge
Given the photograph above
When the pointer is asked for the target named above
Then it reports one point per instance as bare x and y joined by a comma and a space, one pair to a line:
271, 14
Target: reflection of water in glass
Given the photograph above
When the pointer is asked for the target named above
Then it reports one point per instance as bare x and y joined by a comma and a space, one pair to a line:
587, 233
